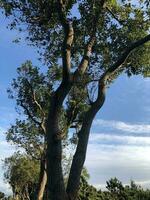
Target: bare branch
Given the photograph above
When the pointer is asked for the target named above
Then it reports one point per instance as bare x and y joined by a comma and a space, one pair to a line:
42, 124
61, 12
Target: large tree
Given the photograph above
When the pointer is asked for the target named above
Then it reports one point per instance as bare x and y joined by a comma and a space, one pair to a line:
92, 41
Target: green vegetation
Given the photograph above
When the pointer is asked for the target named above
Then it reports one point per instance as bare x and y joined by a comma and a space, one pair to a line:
25, 184
115, 191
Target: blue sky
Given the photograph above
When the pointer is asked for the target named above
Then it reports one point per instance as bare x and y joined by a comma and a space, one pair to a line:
119, 144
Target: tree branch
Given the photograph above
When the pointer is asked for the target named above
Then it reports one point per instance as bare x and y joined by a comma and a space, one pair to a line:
66, 49
123, 57
121, 22
29, 114
68, 39
43, 117
88, 49
87, 54
37, 103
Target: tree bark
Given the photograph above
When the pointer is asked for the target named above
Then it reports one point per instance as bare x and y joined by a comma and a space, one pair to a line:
56, 186
42, 179
80, 154
78, 161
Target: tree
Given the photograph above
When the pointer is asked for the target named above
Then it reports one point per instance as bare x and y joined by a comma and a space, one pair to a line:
117, 190
22, 174
96, 43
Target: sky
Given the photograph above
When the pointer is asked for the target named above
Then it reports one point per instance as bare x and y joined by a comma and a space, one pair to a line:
119, 143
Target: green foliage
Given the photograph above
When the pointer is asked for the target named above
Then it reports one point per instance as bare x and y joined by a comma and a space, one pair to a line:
22, 172
120, 23
88, 192
116, 191
31, 90
29, 87
2, 195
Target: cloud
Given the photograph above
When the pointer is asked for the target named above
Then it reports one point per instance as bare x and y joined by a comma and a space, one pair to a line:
105, 138
5, 188
123, 152
123, 126
6, 151
124, 162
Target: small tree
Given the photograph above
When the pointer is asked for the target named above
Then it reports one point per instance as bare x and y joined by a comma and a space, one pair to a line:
116, 189
22, 174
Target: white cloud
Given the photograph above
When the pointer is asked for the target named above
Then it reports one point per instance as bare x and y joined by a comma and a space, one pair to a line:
122, 153
122, 126
5, 188
6, 150
124, 162
119, 139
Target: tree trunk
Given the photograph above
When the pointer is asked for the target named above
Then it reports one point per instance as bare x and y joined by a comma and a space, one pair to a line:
42, 179
56, 186
80, 154
78, 161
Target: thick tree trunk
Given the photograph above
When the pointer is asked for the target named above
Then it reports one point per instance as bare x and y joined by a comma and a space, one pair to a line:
42, 179
56, 186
